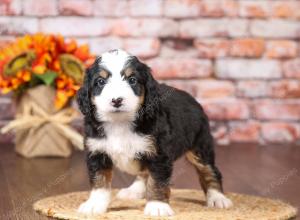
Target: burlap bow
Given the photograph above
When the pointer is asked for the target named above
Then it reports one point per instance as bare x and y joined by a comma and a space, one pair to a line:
60, 120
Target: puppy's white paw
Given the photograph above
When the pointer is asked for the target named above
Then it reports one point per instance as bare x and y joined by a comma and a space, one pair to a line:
156, 208
217, 199
96, 204
135, 191
91, 207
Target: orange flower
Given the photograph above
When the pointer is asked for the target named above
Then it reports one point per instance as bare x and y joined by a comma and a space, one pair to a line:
61, 99
39, 69
70, 47
15, 83
60, 84
6, 90
4, 85
71, 93
24, 75
38, 54
82, 52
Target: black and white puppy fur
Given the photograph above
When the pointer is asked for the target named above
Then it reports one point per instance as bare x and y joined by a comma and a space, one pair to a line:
141, 127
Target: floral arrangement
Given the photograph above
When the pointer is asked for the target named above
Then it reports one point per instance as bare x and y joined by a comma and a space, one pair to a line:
44, 59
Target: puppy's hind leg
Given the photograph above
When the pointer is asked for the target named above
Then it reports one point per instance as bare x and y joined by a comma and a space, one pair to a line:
136, 190
210, 179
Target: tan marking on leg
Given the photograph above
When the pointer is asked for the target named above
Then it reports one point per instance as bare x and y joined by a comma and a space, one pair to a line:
102, 179
206, 174
100, 195
156, 192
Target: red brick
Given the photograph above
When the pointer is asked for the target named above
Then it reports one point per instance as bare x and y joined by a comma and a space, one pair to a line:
281, 49
40, 7
144, 48
280, 132
230, 7
226, 109
180, 68
260, 69
213, 28
10, 7
219, 132
103, 44
247, 131
275, 28
146, 8
212, 8
76, 26
18, 25
291, 68
277, 109
205, 8
285, 9
182, 8
214, 89
285, 89
75, 7
212, 48
247, 47
254, 9
115, 8
252, 89
151, 27
189, 86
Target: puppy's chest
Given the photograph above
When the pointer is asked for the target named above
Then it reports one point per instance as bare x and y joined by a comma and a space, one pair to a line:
123, 146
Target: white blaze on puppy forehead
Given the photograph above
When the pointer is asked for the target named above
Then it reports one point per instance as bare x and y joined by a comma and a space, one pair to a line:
116, 87
114, 60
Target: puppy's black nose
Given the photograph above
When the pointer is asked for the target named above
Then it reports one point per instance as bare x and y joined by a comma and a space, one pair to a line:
117, 102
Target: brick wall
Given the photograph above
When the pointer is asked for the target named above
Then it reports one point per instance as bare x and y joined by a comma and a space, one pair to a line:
239, 58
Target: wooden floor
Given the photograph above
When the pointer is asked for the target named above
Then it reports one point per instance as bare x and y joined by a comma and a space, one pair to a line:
271, 171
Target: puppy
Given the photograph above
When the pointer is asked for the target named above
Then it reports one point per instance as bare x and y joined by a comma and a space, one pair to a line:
141, 127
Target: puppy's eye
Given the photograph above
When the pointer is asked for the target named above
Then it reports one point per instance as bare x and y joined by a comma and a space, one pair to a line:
101, 82
132, 80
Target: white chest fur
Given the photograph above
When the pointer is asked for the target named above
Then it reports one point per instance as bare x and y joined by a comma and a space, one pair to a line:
122, 145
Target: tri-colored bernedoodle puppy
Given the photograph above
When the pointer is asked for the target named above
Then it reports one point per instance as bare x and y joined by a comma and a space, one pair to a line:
141, 127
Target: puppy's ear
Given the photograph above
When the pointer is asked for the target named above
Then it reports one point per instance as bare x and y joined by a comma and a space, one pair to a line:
152, 100
83, 94
83, 100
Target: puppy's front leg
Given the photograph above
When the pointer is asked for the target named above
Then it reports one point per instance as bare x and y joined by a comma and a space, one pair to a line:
100, 175
158, 190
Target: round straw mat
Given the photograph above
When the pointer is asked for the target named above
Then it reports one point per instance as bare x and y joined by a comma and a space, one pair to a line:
187, 204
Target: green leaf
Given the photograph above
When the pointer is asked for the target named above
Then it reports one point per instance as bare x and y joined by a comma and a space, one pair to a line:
47, 78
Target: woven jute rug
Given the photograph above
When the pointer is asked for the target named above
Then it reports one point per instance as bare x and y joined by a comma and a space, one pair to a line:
187, 204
